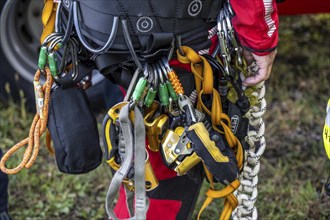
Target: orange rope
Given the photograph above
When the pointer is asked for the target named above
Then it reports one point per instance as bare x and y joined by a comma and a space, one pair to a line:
38, 127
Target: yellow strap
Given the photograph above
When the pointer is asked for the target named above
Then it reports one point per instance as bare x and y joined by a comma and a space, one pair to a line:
204, 86
230, 202
206, 203
47, 11
209, 176
223, 192
227, 209
216, 113
201, 69
48, 18
222, 119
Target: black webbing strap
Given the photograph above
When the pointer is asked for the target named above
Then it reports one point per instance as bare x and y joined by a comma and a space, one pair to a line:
216, 5
145, 17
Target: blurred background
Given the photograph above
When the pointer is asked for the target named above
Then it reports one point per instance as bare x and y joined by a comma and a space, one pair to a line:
294, 167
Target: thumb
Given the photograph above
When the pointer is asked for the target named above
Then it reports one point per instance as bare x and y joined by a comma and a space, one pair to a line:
265, 64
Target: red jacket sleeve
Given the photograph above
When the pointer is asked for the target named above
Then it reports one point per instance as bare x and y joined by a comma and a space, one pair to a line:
256, 24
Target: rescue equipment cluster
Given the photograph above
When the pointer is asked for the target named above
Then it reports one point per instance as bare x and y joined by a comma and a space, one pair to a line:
184, 102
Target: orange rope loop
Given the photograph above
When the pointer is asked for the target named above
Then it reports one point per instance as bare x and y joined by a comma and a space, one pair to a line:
38, 126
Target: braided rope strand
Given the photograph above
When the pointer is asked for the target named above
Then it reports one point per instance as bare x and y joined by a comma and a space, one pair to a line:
247, 193
38, 127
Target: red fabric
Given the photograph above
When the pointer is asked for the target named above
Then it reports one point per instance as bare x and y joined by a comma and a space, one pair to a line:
294, 7
214, 41
251, 26
122, 90
177, 63
121, 208
163, 209
158, 209
161, 171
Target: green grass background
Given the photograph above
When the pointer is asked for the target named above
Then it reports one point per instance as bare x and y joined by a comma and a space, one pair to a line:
294, 166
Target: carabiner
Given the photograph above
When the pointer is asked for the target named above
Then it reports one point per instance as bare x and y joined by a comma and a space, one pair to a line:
56, 41
49, 38
163, 68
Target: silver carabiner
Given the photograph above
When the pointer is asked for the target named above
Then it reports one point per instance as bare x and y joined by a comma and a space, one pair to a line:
49, 38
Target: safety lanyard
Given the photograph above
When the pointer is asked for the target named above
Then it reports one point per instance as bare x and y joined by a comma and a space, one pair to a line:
134, 153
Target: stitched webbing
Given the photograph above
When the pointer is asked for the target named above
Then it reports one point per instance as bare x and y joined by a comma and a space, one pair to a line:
201, 69
138, 147
139, 165
117, 179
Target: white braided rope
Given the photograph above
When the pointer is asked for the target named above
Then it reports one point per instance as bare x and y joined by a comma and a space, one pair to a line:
247, 193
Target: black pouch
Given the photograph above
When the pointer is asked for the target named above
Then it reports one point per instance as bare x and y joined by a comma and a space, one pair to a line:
73, 129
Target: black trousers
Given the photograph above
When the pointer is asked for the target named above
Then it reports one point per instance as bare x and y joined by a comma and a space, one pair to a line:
3, 190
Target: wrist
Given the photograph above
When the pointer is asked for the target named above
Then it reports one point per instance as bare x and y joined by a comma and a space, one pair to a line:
260, 52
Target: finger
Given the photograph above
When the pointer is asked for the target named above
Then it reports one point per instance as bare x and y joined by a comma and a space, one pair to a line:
261, 75
265, 64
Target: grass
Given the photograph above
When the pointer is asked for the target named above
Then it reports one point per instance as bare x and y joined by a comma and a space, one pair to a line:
294, 166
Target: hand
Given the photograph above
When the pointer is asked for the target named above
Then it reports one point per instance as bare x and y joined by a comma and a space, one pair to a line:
264, 63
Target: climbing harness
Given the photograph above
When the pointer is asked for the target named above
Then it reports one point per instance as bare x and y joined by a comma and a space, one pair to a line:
182, 134
208, 118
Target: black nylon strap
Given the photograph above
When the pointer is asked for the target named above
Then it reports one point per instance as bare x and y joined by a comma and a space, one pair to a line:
116, 68
216, 5
201, 9
165, 16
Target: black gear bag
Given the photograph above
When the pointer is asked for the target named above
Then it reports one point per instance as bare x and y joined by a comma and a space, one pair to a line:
73, 129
